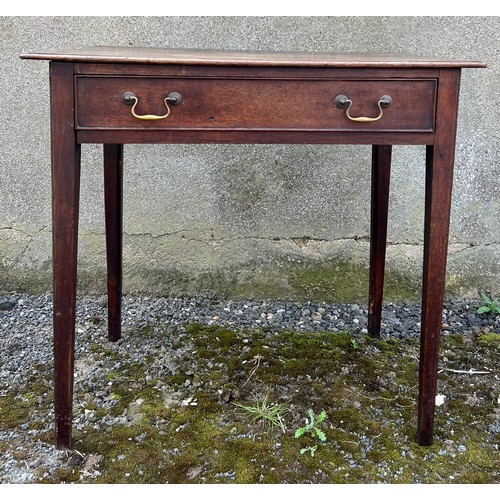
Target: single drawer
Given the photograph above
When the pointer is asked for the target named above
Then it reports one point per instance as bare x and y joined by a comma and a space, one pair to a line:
257, 104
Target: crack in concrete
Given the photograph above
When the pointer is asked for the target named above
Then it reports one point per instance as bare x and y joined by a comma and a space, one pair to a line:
12, 228
300, 241
27, 233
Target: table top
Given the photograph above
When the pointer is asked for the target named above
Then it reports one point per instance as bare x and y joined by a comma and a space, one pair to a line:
152, 55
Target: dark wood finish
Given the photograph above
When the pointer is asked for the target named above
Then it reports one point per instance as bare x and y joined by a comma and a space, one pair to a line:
195, 136
266, 72
439, 178
196, 57
220, 104
253, 97
381, 172
65, 196
113, 202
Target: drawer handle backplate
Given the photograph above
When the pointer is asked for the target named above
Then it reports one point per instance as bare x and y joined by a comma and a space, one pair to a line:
131, 99
342, 101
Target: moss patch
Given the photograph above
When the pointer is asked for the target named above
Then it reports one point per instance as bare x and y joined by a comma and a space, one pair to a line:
169, 417
18, 405
489, 339
339, 281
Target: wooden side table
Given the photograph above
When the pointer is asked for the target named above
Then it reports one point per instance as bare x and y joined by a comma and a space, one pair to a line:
123, 95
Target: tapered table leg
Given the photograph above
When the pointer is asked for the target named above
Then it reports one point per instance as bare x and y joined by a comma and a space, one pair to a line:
439, 179
381, 171
65, 198
113, 201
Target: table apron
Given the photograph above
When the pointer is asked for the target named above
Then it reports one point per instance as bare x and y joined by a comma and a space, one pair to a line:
191, 136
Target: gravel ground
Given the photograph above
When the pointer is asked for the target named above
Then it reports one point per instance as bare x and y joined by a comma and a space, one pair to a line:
26, 342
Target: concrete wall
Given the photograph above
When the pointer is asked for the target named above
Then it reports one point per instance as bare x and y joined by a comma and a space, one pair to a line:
250, 221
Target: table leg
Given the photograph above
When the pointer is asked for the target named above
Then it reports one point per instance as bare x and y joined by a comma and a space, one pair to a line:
438, 199
381, 170
113, 201
439, 179
65, 199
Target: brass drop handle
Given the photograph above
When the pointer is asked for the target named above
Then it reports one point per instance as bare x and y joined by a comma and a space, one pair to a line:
342, 101
131, 99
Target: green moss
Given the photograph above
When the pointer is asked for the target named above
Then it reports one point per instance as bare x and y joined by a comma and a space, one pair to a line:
130, 454
64, 475
14, 410
223, 337
131, 373
450, 341
340, 281
369, 394
18, 405
299, 353
489, 340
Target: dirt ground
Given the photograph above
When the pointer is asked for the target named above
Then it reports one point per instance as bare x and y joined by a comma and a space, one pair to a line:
206, 404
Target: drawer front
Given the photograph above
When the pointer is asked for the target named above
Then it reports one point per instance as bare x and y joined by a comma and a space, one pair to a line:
257, 104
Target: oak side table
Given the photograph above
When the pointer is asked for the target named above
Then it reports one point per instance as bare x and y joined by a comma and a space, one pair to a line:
123, 95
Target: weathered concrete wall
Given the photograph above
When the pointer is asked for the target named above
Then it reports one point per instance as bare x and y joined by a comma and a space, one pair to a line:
242, 221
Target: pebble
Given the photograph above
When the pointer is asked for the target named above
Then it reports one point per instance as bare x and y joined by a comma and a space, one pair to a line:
6, 305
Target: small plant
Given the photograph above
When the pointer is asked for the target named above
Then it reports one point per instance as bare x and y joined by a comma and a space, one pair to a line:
312, 428
354, 343
310, 449
492, 305
266, 413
